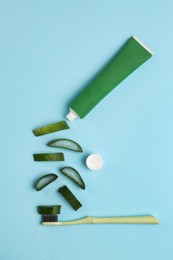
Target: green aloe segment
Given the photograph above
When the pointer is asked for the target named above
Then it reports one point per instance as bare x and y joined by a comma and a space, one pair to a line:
70, 198
45, 180
73, 175
51, 209
48, 157
66, 143
62, 125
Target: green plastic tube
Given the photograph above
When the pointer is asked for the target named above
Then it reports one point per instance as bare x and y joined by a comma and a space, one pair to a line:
132, 55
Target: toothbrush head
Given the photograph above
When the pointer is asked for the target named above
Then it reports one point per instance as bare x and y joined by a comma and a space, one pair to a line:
49, 218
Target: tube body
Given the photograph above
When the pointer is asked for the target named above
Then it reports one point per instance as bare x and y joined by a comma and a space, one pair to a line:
132, 55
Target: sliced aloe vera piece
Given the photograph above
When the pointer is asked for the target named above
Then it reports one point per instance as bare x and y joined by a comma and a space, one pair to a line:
45, 180
66, 143
73, 175
48, 129
48, 157
69, 197
51, 209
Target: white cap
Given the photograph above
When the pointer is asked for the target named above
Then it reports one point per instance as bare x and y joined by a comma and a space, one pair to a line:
72, 115
94, 162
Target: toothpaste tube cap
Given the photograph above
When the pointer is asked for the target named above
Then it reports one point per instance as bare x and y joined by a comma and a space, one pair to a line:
94, 162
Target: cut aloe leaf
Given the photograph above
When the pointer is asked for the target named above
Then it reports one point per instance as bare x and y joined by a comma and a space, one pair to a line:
66, 143
51, 209
48, 157
73, 175
48, 129
45, 180
69, 197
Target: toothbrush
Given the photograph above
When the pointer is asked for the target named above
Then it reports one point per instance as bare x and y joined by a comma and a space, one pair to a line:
149, 219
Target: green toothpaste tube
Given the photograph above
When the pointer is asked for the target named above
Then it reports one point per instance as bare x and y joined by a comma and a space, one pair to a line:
132, 55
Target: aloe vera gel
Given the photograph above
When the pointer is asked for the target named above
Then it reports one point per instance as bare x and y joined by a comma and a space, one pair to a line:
132, 55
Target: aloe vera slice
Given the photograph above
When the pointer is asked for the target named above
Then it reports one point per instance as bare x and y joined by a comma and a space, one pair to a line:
66, 143
48, 157
69, 197
73, 175
48, 129
51, 209
45, 180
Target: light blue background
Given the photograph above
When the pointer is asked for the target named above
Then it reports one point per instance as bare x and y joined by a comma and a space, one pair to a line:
48, 51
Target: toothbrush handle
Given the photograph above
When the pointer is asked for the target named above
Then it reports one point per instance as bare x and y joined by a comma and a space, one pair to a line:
125, 220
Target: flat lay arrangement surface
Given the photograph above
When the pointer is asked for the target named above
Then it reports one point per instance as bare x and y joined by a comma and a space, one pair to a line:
112, 166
